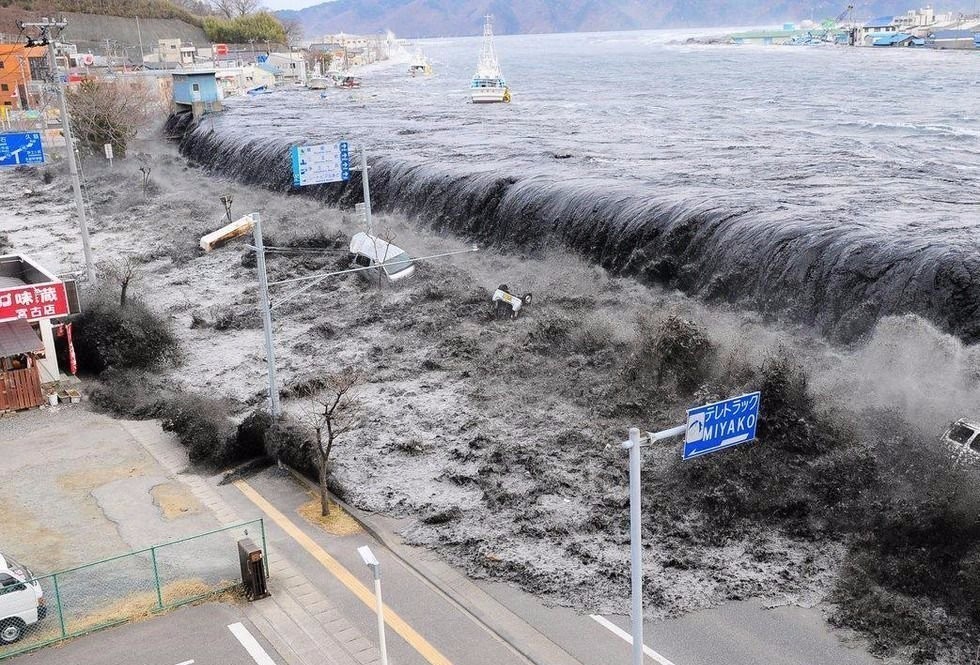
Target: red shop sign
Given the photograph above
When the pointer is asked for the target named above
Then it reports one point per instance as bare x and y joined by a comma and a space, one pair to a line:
33, 302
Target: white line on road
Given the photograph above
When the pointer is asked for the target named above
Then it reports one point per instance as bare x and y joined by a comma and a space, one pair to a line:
251, 645
187, 662
619, 632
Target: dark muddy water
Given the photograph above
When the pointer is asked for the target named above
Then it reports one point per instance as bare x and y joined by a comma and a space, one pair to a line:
829, 185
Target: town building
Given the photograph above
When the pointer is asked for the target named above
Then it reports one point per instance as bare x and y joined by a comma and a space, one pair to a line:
23, 71
292, 65
32, 303
197, 91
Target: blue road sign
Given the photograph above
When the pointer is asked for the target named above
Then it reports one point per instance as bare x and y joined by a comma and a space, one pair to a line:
262, 58
317, 164
721, 425
20, 148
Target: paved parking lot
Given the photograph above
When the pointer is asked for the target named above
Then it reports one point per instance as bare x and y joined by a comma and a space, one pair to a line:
213, 634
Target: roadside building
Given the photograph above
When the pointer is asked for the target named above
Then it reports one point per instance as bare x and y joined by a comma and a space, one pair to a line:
875, 29
173, 52
291, 64
954, 39
899, 39
22, 73
197, 92
32, 300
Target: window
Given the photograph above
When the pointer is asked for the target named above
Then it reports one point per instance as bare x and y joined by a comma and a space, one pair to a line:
2, 65
4, 87
10, 583
397, 263
361, 260
960, 433
196, 87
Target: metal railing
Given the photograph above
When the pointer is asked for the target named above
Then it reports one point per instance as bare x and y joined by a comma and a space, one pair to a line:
73, 602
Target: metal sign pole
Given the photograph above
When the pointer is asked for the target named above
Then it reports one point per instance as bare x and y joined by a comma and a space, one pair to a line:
270, 353
46, 28
367, 191
636, 552
636, 556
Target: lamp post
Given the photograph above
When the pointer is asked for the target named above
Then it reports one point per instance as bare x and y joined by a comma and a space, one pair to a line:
372, 562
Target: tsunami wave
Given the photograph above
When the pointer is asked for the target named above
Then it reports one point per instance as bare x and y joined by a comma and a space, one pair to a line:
839, 278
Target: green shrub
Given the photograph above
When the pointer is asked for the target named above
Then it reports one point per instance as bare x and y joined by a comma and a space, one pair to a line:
130, 337
202, 425
128, 393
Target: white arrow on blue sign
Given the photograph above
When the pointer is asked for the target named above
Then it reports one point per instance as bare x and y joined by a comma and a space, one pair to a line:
721, 425
19, 148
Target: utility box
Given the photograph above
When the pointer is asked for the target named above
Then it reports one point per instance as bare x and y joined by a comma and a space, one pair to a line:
252, 563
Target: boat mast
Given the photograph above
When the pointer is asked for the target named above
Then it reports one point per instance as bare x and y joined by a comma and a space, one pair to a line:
488, 57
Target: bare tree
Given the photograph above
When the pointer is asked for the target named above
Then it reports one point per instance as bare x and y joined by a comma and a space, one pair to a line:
110, 112
246, 7
145, 162
224, 8
293, 29
334, 412
122, 272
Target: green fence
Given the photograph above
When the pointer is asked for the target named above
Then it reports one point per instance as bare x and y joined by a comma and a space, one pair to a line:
104, 593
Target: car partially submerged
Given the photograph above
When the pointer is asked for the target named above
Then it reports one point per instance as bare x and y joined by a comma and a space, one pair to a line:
963, 440
380, 258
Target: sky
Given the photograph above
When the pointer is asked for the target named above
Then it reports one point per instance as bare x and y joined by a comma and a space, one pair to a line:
291, 4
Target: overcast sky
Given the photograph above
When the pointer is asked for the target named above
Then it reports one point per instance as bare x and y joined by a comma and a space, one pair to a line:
290, 4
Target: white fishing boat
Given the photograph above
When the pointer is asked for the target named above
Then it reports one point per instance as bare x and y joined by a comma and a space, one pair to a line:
488, 84
420, 65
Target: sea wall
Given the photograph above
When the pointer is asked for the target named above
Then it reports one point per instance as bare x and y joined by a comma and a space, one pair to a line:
839, 279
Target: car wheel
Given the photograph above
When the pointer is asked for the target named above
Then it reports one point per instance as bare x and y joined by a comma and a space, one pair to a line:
11, 631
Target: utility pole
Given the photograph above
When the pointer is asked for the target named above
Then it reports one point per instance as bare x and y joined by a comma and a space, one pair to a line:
367, 191
270, 352
48, 32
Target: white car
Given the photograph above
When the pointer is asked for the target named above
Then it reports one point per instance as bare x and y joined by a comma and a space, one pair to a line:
368, 251
963, 439
21, 600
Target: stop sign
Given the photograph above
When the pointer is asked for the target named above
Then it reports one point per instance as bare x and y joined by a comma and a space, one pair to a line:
220, 49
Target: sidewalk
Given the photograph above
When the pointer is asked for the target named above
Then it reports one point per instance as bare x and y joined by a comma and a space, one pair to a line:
298, 620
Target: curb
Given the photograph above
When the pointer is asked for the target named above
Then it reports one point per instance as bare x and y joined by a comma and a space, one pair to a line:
540, 651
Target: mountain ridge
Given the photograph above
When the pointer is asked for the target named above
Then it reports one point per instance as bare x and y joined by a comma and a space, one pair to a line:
453, 18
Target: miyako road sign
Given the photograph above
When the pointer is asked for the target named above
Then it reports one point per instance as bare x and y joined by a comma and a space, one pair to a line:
318, 164
721, 425
19, 148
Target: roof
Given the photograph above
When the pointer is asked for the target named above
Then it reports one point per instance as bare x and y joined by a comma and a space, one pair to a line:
17, 337
880, 21
890, 39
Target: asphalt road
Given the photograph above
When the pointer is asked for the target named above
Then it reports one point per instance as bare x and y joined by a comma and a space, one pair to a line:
456, 636
187, 636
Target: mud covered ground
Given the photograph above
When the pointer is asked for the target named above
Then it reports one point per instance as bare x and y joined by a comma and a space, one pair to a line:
500, 438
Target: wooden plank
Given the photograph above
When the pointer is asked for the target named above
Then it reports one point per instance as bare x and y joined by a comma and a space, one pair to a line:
20, 389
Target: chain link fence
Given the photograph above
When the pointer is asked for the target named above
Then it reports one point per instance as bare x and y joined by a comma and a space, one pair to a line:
46, 609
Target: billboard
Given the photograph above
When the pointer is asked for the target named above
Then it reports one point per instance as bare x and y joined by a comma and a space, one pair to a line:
33, 301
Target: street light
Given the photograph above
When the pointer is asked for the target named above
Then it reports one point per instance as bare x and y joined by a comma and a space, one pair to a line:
372, 562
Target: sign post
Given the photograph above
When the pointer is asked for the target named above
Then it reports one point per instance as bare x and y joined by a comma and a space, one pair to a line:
319, 164
709, 428
108, 153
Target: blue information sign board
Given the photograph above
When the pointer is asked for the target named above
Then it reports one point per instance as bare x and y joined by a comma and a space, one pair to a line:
721, 425
21, 148
317, 164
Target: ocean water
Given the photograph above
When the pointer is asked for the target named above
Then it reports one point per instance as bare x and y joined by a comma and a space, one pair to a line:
829, 185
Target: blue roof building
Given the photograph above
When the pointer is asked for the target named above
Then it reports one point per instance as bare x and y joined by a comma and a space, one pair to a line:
197, 91
894, 39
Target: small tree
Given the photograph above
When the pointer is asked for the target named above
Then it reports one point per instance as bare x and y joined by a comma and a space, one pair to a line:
334, 412
121, 272
108, 112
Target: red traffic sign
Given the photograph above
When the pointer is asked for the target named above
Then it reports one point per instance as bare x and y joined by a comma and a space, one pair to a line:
220, 49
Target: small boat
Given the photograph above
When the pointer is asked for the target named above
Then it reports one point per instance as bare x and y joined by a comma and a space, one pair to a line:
420, 65
344, 80
259, 90
318, 83
488, 84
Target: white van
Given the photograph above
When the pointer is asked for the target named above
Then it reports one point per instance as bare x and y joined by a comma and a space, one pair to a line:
393, 262
963, 440
21, 600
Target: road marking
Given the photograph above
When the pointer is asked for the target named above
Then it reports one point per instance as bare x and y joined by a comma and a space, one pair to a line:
344, 576
619, 632
251, 645
187, 662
